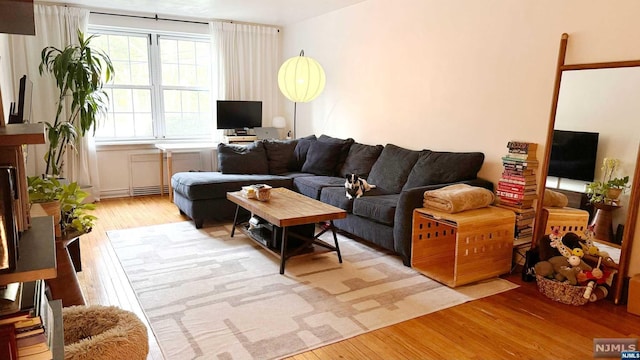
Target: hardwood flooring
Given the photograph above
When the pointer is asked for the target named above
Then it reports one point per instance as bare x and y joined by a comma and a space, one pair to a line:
518, 324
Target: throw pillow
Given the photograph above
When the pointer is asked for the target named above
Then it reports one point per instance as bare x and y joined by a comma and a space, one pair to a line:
360, 159
392, 168
242, 159
321, 158
344, 150
280, 154
300, 152
436, 167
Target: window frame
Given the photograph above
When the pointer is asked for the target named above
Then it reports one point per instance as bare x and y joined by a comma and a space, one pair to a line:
155, 83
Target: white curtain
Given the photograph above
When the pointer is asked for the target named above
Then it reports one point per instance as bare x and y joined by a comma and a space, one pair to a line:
55, 26
247, 61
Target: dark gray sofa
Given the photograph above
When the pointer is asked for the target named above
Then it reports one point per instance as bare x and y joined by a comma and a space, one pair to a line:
316, 167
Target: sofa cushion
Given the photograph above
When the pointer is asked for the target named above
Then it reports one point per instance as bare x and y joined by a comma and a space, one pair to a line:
242, 159
322, 158
280, 155
337, 197
300, 152
380, 208
215, 185
437, 167
344, 151
392, 168
311, 186
360, 159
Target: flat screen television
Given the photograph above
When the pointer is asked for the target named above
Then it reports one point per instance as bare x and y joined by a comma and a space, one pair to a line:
232, 114
573, 155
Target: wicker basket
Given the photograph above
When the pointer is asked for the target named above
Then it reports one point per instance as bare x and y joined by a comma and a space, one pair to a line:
561, 291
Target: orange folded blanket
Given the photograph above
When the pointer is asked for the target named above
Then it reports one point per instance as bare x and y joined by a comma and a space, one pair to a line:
457, 198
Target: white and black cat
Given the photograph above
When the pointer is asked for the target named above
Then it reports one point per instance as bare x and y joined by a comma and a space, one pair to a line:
356, 186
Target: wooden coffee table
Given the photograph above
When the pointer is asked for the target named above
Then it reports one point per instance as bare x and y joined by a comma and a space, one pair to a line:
285, 209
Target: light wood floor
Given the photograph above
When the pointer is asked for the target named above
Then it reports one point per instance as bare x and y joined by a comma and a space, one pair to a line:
518, 324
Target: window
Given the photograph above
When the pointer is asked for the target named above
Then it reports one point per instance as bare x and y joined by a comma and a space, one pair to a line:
161, 88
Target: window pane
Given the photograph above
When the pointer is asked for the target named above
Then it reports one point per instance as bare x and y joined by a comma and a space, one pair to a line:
142, 100
187, 113
186, 52
170, 76
188, 75
172, 101
122, 100
185, 63
124, 124
143, 124
129, 55
139, 73
169, 51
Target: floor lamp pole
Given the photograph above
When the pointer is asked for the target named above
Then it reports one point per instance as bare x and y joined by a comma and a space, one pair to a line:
294, 119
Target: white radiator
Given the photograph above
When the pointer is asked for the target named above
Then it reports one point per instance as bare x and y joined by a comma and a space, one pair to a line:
144, 171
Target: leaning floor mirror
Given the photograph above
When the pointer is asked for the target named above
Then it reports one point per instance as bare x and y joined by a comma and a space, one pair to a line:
594, 132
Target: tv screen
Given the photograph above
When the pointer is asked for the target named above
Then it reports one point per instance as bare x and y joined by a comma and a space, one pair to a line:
233, 114
573, 155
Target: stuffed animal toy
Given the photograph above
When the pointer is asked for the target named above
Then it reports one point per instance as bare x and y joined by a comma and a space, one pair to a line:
559, 268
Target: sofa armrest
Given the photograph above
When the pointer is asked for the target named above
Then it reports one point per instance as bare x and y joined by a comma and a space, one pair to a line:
411, 199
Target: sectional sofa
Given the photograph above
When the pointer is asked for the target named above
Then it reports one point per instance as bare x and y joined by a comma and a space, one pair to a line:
316, 167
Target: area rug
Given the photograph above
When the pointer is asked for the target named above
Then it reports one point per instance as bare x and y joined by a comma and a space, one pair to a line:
207, 295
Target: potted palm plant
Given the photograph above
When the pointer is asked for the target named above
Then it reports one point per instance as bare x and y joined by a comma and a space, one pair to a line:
80, 73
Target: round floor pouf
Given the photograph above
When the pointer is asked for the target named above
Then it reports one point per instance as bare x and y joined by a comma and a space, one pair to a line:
103, 332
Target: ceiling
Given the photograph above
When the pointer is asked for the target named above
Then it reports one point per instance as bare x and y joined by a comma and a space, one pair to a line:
272, 12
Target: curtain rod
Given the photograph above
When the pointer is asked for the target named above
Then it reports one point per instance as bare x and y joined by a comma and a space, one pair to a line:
156, 18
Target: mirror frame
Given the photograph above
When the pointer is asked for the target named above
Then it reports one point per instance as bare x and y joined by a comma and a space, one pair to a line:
632, 215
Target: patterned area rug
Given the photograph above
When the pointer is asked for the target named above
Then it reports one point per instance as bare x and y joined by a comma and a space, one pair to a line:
208, 295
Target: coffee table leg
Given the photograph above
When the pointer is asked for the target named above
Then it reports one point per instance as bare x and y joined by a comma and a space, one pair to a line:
235, 220
283, 249
335, 240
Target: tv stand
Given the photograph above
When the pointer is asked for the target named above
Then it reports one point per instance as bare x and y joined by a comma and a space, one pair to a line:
240, 132
231, 139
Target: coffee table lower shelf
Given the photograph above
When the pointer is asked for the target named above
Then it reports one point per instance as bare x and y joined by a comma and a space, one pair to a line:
284, 253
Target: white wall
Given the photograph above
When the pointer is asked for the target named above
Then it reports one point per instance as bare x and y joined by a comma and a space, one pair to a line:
452, 75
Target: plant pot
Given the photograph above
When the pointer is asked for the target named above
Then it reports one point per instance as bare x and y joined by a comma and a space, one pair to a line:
613, 193
52, 208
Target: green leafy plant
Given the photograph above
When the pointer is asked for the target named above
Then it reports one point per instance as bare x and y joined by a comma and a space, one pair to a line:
75, 218
80, 73
597, 191
619, 183
43, 190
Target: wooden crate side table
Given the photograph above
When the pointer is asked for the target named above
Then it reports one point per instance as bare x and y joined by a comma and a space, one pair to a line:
566, 220
461, 248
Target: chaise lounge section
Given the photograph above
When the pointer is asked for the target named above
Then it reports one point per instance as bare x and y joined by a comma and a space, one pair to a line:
316, 167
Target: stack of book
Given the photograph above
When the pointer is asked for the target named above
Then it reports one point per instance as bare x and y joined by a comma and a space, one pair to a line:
23, 337
24, 323
517, 188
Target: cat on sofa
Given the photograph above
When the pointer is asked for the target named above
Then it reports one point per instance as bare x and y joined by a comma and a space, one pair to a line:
356, 186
